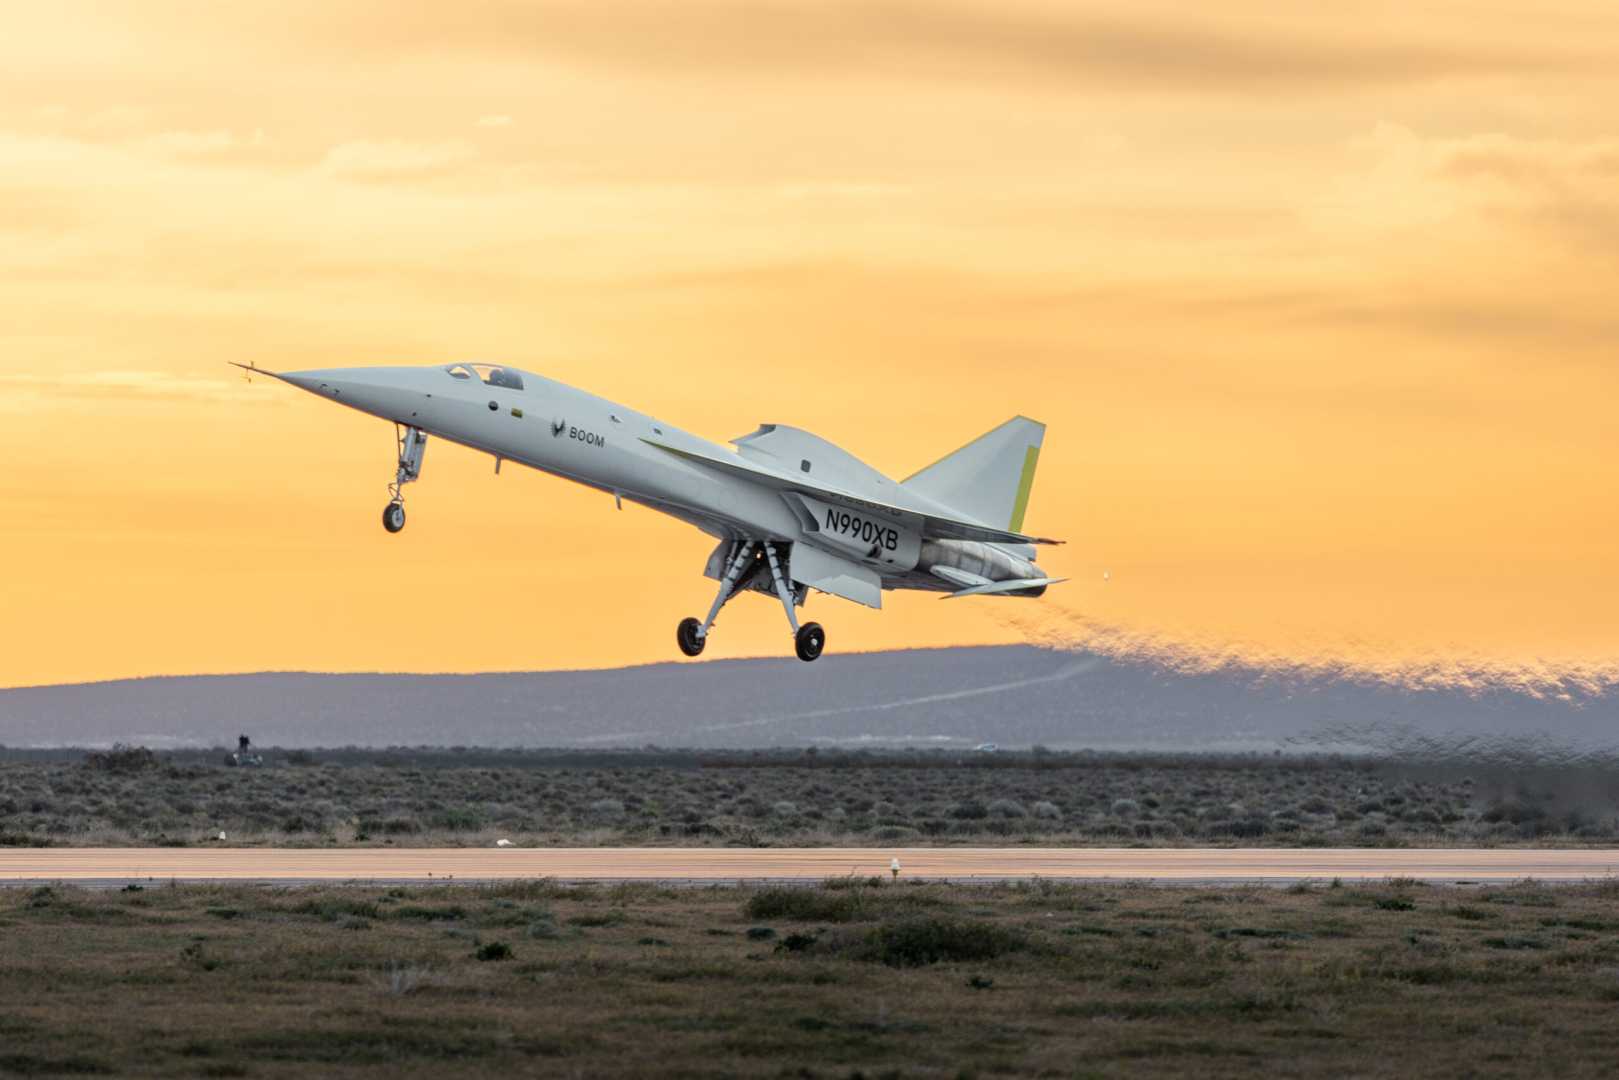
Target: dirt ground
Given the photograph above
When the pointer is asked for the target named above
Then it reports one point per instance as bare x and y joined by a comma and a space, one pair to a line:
851, 978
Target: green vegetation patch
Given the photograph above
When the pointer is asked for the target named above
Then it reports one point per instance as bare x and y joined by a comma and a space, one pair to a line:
806, 905
921, 940
21, 1064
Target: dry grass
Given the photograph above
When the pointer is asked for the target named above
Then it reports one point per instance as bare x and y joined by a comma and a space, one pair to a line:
909, 980
435, 798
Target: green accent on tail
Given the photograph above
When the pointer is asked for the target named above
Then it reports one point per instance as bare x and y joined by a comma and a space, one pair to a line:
1025, 485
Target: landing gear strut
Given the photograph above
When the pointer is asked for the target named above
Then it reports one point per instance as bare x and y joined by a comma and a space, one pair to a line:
808, 640
412, 445
693, 635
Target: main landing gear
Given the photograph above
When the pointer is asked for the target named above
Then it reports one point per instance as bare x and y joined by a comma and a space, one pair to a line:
809, 641
691, 637
412, 445
745, 565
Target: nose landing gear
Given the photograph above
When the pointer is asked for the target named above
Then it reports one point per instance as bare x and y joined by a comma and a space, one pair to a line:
412, 446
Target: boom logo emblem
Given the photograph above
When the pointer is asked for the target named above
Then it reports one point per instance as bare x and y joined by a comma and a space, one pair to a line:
559, 427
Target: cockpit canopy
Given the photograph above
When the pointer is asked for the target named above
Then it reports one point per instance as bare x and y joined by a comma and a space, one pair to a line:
489, 374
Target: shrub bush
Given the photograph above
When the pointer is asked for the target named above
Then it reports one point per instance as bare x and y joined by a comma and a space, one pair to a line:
456, 819
806, 905
874, 881
1248, 828
1515, 811
122, 759
333, 908
544, 928
494, 950
917, 942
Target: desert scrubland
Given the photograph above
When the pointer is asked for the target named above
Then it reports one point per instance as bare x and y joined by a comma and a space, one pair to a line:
132, 796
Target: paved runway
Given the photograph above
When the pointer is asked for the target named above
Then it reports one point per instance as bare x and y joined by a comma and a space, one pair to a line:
106, 866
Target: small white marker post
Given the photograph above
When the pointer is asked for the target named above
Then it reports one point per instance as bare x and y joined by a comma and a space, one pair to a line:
893, 867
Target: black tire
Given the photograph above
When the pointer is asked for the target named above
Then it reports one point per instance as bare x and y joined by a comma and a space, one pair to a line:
686, 634
393, 517
810, 641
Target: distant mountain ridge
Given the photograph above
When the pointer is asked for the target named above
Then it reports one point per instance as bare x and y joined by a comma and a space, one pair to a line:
1012, 695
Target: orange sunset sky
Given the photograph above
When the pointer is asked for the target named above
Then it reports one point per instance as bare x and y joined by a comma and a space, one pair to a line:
1321, 304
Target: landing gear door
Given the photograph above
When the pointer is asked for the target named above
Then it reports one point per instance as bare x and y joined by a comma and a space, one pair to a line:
718, 559
836, 575
412, 447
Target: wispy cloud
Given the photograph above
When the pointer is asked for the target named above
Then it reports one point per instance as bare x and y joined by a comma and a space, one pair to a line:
841, 189
394, 159
203, 143
29, 390
1160, 49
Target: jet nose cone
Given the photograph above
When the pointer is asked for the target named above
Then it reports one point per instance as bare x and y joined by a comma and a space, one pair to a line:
335, 384
386, 392
313, 381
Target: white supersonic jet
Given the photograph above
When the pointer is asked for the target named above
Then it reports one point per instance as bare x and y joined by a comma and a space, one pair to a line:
791, 511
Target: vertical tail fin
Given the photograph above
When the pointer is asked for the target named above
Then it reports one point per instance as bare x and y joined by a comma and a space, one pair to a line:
990, 478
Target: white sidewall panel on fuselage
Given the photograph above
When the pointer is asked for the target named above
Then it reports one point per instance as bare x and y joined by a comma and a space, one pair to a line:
883, 538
